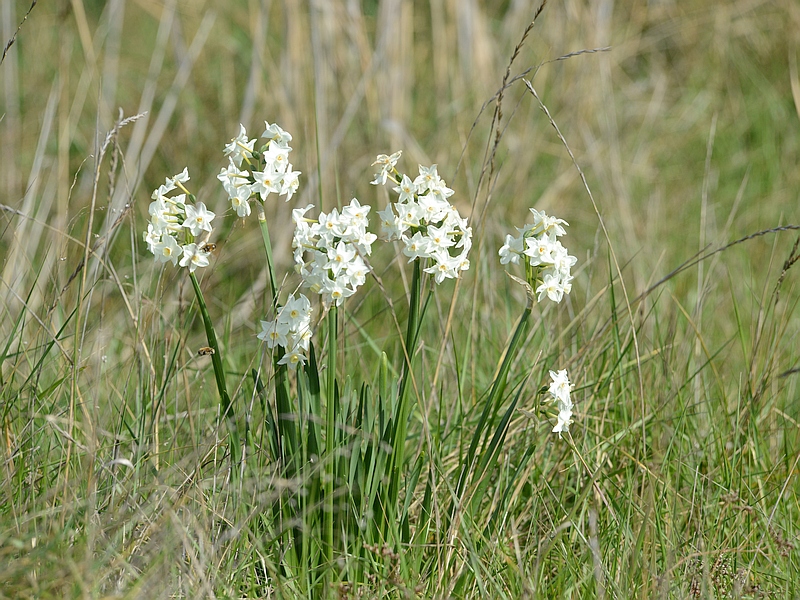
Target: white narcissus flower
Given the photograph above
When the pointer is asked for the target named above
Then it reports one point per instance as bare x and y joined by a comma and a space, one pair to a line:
330, 225
387, 164
166, 213
445, 268
165, 223
463, 264
277, 156
194, 256
358, 235
551, 287
429, 181
355, 214
299, 215
548, 224
242, 207
198, 218
417, 246
163, 190
290, 183
152, 237
392, 226
267, 182
428, 178
159, 206
336, 290
171, 183
339, 256
511, 250
238, 187
562, 261
566, 284
564, 419
411, 213
297, 311
274, 333
539, 251
181, 177
440, 238
167, 250
293, 358
440, 191
274, 132
434, 207
406, 189
560, 386
240, 147
303, 337
355, 274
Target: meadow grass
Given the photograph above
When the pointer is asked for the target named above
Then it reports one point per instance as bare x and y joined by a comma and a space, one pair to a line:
679, 475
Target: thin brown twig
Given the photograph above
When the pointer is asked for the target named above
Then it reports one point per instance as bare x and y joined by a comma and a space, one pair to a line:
697, 258
498, 109
507, 84
788, 264
701, 256
14, 37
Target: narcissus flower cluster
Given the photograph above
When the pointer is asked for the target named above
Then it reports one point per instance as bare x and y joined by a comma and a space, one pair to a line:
548, 260
328, 251
258, 173
290, 330
179, 227
424, 220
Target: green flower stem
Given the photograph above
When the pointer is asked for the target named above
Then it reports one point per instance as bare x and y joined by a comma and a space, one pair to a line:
226, 413
262, 221
287, 443
404, 402
330, 433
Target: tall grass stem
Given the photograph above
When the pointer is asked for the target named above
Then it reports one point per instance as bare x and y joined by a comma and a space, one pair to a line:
330, 434
404, 402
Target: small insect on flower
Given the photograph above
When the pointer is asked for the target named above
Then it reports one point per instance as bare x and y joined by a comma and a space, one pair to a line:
209, 247
205, 351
